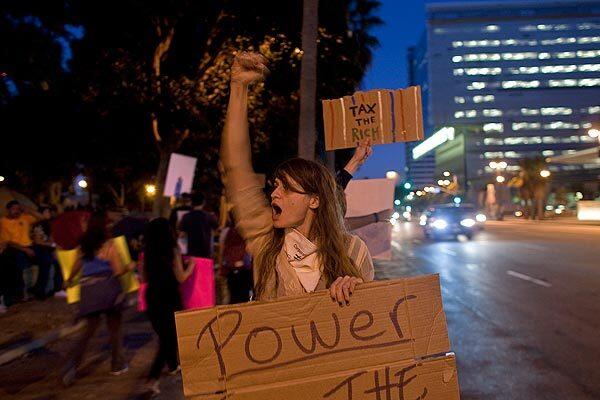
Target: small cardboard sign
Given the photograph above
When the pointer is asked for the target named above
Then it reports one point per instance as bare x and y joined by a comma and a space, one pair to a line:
180, 175
390, 342
384, 116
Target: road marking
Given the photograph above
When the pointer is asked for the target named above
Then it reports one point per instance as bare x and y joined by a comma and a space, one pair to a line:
528, 278
448, 252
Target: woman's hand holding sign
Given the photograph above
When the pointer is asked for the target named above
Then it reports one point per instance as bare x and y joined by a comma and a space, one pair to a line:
341, 289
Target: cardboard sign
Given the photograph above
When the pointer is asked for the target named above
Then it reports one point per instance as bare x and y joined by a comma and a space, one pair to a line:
391, 342
66, 261
129, 280
365, 197
180, 175
385, 116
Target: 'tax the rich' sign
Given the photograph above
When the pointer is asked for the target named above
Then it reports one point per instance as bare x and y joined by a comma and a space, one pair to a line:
390, 343
384, 116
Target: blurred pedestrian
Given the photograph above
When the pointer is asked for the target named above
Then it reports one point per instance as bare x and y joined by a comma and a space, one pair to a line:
163, 270
184, 205
236, 263
42, 241
300, 243
101, 294
197, 226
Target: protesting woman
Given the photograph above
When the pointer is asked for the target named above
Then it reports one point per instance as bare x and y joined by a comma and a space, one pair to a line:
163, 271
101, 293
299, 243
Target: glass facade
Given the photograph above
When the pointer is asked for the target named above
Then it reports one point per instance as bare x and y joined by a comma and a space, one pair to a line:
528, 73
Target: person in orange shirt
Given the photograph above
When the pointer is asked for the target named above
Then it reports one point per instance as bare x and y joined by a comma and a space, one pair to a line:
15, 229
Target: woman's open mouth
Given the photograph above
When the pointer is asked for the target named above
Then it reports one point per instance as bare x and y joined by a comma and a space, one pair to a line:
276, 210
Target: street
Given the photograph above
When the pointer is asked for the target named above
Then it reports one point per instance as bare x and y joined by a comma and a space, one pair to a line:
522, 302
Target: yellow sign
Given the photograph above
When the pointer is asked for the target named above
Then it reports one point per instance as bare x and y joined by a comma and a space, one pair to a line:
66, 260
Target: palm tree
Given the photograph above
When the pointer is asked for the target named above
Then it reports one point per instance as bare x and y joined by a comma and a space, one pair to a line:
533, 187
308, 80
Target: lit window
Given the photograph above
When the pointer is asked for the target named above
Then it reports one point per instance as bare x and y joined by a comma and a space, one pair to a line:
492, 141
523, 140
519, 42
589, 67
459, 100
513, 168
530, 111
554, 69
512, 154
586, 125
550, 139
548, 153
524, 70
457, 59
560, 40
493, 154
556, 111
520, 56
483, 71
564, 54
517, 126
480, 57
483, 99
491, 28
587, 26
570, 139
492, 112
528, 28
459, 71
587, 139
459, 114
542, 27
544, 56
588, 39
520, 84
471, 113
562, 82
593, 110
493, 127
589, 82
561, 125
457, 44
476, 86
588, 53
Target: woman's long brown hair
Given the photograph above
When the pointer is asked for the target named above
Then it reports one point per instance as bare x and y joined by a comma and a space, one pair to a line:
327, 231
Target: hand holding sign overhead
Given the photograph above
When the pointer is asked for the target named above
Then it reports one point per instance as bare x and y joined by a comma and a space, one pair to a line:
384, 116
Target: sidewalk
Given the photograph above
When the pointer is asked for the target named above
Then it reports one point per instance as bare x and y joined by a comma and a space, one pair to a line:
556, 220
29, 325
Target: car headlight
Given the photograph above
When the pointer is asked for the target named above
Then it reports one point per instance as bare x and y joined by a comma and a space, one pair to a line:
481, 218
439, 224
467, 222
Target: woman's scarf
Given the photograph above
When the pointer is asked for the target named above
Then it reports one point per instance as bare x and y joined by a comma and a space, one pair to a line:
301, 253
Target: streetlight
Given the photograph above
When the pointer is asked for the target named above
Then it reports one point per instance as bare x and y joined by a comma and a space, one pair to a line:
544, 173
82, 183
595, 133
1, 178
150, 190
392, 175
446, 173
500, 179
407, 185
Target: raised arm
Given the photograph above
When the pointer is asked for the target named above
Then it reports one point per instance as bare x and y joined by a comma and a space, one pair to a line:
235, 143
243, 189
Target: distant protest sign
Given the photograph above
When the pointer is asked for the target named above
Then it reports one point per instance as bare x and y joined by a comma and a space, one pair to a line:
367, 197
390, 342
384, 116
180, 175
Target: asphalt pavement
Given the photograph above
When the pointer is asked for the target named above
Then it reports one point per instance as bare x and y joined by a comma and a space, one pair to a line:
522, 302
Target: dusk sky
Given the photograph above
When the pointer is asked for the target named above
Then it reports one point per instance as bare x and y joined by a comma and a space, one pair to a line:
404, 24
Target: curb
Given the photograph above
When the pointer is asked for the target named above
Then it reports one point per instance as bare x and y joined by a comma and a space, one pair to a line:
42, 341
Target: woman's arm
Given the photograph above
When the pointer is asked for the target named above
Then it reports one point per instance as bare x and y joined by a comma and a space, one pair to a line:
180, 273
242, 187
353, 223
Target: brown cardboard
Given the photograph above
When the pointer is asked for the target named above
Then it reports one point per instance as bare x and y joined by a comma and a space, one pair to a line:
385, 116
264, 350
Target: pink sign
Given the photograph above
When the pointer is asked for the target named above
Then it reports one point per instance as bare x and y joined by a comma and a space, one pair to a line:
198, 291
